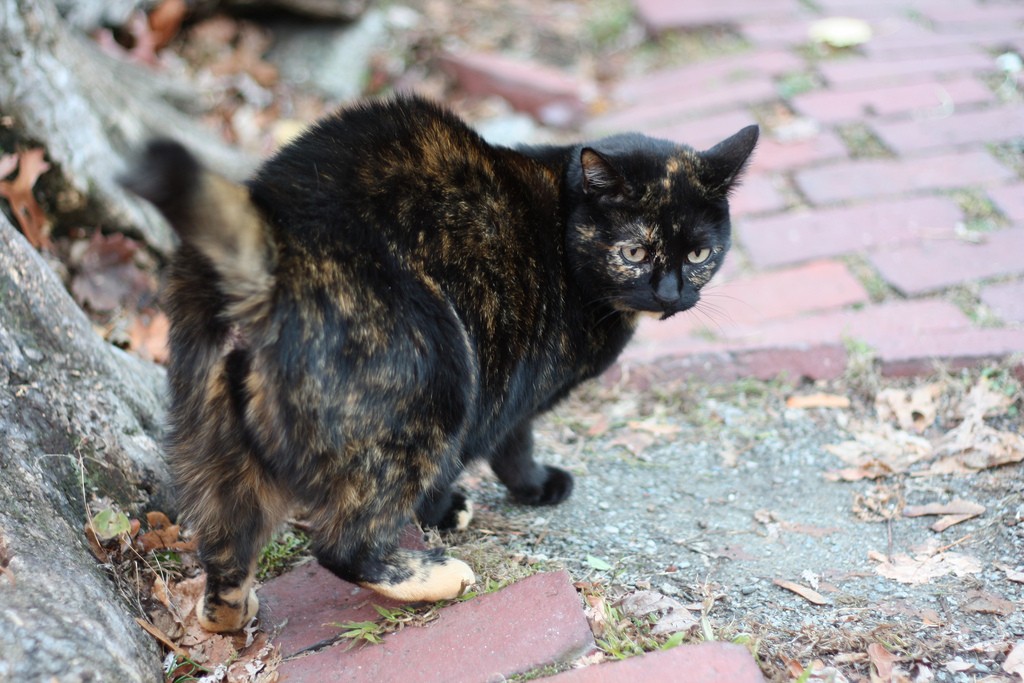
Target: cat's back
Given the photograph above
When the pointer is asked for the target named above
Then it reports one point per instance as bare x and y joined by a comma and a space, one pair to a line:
403, 170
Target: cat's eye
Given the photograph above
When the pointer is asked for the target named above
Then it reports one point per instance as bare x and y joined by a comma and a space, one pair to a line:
698, 255
634, 254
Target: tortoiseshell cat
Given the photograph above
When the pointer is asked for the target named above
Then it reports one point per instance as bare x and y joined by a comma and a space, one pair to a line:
392, 297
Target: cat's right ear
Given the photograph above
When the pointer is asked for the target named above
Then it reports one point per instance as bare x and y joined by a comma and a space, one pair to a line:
600, 179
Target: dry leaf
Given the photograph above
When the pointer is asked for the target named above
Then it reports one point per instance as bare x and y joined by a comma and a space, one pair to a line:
953, 512
924, 566
675, 621
973, 446
1014, 663
953, 507
913, 410
879, 504
595, 613
106, 274
818, 401
876, 451
165, 21
984, 401
148, 335
882, 662
655, 427
674, 616
808, 594
982, 602
1012, 574
18, 192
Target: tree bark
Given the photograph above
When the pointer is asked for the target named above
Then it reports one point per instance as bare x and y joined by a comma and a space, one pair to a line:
77, 417
92, 114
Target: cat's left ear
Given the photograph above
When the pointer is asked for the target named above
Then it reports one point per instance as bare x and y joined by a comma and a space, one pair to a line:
725, 162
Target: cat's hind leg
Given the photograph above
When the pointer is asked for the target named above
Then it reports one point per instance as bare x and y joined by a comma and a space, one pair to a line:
358, 526
529, 482
229, 498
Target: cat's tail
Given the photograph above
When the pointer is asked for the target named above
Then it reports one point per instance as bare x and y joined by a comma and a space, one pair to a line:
216, 217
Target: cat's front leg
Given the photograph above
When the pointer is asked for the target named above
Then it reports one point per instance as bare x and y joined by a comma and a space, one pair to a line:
528, 481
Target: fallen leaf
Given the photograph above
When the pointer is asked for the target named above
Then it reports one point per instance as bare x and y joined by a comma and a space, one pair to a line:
1014, 663
983, 400
109, 524
879, 504
642, 603
1015, 575
840, 32
674, 617
675, 621
924, 566
953, 507
106, 275
878, 450
655, 427
18, 192
882, 662
974, 446
148, 335
983, 602
913, 410
953, 512
165, 21
808, 594
818, 401
595, 613
597, 563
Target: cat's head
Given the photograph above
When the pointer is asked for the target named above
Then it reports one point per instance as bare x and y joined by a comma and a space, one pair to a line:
650, 219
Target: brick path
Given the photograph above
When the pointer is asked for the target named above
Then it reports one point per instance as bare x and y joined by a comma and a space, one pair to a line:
885, 206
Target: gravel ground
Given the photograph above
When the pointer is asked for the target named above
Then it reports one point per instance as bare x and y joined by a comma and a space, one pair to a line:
712, 494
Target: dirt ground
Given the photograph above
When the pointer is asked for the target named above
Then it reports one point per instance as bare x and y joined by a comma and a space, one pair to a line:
716, 495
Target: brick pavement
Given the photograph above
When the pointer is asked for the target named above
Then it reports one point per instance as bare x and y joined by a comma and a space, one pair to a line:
885, 206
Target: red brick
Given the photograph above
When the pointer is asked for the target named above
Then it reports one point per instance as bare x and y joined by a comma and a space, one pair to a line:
776, 33
870, 178
757, 194
720, 363
679, 104
833, 106
669, 15
862, 71
719, 71
702, 663
930, 266
901, 357
748, 301
704, 132
304, 602
812, 362
530, 624
553, 96
773, 155
958, 129
1010, 200
1006, 300
950, 17
873, 325
795, 237
901, 39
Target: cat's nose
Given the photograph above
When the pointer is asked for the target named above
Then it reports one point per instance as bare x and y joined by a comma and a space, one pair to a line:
668, 289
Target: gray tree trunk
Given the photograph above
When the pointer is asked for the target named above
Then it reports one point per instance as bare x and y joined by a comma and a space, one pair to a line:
93, 113
66, 397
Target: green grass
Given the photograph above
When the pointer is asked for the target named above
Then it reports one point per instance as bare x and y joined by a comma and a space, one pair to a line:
281, 554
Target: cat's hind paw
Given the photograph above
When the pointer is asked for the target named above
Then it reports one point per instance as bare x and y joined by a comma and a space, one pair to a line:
228, 611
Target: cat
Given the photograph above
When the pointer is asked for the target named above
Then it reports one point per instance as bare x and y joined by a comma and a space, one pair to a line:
391, 297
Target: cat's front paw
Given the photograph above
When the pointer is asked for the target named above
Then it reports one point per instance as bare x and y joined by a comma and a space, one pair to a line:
556, 487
